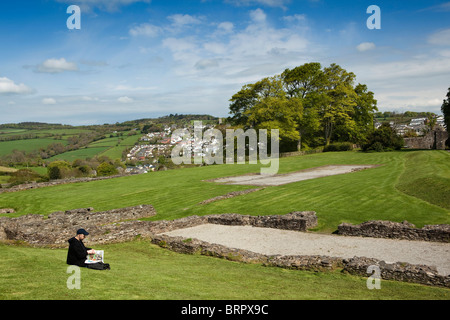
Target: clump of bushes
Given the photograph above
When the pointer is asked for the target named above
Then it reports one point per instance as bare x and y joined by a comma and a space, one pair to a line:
384, 138
339, 146
25, 176
101, 167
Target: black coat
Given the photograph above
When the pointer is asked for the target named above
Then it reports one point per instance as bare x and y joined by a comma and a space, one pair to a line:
77, 253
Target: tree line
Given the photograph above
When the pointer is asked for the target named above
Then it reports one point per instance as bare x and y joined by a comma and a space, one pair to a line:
310, 105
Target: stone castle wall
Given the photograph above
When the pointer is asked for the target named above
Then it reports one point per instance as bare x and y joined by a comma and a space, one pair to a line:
433, 140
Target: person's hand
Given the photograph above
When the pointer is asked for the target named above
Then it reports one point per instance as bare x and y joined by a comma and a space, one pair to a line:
91, 251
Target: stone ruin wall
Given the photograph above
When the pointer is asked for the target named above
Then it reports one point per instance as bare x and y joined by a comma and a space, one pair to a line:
395, 230
120, 225
123, 225
434, 140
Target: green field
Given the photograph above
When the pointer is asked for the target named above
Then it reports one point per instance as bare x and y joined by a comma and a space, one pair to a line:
83, 153
7, 147
140, 270
110, 147
380, 193
388, 192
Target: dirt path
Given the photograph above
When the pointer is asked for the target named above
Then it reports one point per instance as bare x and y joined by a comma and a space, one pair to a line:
274, 241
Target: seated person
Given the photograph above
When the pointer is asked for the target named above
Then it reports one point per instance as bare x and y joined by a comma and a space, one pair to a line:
78, 252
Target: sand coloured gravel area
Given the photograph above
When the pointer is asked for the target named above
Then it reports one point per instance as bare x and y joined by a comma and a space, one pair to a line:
282, 242
281, 179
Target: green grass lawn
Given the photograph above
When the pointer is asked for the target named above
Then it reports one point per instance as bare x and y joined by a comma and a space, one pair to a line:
373, 194
388, 192
140, 270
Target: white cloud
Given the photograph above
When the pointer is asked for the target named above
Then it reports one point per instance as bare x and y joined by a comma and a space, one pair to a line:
48, 101
129, 88
240, 55
296, 18
366, 46
440, 38
106, 5
226, 27
269, 3
125, 100
56, 66
145, 29
7, 86
258, 16
180, 20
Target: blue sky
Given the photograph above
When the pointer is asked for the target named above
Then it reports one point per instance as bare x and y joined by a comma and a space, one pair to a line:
147, 58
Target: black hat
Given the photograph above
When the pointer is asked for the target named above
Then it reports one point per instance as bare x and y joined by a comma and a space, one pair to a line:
82, 231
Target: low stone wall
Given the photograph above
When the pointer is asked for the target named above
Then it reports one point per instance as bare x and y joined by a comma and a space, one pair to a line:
28, 186
120, 225
123, 225
230, 195
395, 230
356, 266
60, 226
397, 271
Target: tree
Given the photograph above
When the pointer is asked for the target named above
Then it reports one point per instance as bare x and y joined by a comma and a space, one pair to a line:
106, 169
306, 82
364, 112
446, 111
307, 103
303, 80
278, 113
252, 94
337, 108
385, 138
58, 170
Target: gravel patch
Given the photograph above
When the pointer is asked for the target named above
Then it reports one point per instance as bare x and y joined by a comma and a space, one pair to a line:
281, 179
281, 242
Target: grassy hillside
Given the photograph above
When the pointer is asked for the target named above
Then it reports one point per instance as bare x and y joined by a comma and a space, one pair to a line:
383, 193
7, 147
110, 147
388, 192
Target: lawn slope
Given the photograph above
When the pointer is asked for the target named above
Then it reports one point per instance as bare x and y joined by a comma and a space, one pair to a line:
355, 198
140, 270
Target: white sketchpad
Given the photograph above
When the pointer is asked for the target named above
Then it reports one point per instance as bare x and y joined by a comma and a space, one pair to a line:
95, 258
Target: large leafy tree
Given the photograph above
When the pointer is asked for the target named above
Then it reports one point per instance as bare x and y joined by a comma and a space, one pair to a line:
303, 80
340, 100
306, 82
278, 113
252, 94
446, 112
308, 104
